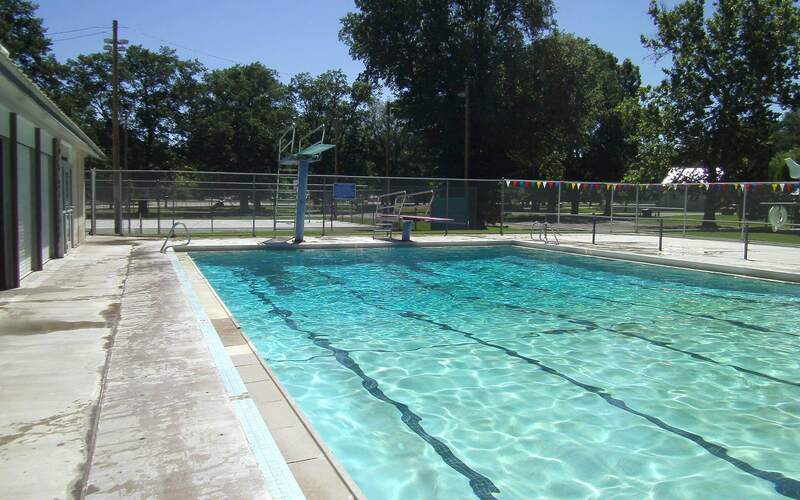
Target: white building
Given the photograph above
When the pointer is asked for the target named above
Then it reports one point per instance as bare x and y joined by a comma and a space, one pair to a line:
42, 155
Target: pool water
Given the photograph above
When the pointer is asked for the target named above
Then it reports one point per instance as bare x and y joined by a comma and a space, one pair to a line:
502, 372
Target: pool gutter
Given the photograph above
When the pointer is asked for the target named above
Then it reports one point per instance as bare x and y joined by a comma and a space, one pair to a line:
313, 487
660, 260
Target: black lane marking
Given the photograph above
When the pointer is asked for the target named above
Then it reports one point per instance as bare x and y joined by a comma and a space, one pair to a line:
398, 351
659, 343
784, 485
590, 325
740, 324
481, 485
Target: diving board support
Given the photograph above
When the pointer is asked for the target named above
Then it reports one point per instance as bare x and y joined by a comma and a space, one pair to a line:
407, 230
302, 189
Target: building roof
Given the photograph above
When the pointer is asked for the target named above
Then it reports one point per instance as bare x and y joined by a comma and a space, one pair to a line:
57, 118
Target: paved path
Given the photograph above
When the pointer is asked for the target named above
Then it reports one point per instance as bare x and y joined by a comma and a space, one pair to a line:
154, 421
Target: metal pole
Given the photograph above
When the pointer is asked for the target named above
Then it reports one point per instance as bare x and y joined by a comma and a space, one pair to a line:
211, 211
173, 211
446, 205
613, 188
660, 233
94, 203
594, 229
746, 238
254, 206
466, 135
115, 130
636, 213
502, 204
558, 207
302, 190
158, 206
685, 206
387, 146
744, 208
140, 220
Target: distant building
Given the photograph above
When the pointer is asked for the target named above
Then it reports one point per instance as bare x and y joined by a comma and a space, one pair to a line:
42, 155
677, 175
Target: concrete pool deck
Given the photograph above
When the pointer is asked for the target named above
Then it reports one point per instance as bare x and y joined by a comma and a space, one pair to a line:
109, 388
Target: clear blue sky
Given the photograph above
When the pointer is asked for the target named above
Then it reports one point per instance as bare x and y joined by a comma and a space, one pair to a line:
293, 36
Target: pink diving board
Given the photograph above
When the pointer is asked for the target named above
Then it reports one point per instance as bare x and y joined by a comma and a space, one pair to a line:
408, 219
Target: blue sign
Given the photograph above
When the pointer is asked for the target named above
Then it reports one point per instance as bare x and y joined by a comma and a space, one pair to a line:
344, 191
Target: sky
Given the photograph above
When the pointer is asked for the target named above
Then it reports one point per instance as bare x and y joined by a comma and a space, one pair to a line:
294, 36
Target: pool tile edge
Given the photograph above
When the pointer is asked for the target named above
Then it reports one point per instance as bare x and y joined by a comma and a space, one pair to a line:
327, 455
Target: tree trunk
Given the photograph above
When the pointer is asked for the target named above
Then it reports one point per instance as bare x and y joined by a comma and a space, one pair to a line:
710, 202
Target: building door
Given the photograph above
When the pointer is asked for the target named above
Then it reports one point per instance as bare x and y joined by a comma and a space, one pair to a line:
24, 209
66, 209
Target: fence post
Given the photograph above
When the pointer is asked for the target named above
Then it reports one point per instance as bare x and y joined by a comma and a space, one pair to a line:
322, 206
446, 205
611, 222
502, 204
594, 228
636, 212
254, 206
746, 230
94, 203
744, 208
660, 233
211, 212
158, 206
685, 206
173, 211
558, 205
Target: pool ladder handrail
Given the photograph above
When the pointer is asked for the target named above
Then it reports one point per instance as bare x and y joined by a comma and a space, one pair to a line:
545, 230
171, 234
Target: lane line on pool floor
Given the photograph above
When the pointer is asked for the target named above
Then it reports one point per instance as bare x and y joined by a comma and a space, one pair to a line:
280, 481
657, 343
782, 484
482, 486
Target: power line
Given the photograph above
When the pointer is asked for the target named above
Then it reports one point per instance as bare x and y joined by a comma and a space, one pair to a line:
207, 54
79, 36
75, 30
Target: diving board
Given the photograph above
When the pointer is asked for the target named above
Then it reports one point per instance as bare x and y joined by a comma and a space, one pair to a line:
386, 215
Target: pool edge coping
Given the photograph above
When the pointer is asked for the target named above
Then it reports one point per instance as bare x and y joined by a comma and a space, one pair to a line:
659, 260
327, 453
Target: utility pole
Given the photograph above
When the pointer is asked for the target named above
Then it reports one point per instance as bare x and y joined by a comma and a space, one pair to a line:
115, 47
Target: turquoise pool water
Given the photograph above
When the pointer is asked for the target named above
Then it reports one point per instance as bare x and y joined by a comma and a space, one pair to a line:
500, 372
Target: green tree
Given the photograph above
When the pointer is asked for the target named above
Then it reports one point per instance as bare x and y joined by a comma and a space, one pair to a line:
24, 35
343, 108
160, 89
427, 52
732, 69
235, 122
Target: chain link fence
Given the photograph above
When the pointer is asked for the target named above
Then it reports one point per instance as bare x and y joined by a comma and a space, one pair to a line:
245, 204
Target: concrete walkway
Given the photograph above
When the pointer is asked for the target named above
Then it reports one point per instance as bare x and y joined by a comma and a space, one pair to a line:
55, 332
108, 389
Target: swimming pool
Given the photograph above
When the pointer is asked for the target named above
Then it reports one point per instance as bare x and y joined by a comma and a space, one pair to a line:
501, 372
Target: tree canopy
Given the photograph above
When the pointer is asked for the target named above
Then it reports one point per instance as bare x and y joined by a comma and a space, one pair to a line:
542, 102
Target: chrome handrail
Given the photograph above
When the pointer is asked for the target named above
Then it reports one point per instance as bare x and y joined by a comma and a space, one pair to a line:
171, 234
